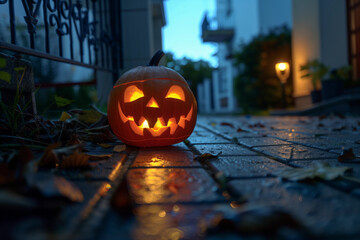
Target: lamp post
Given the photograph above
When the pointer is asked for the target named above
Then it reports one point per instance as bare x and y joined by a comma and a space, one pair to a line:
282, 71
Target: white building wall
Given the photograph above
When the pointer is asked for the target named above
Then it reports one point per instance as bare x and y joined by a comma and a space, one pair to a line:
319, 32
274, 13
247, 19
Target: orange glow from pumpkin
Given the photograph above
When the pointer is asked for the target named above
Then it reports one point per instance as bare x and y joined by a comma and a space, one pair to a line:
176, 92
132, 93
152, 103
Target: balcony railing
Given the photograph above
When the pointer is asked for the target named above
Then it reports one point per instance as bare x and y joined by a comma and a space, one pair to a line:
215, 34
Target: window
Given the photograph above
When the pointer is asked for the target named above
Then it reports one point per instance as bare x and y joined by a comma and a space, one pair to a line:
222, 80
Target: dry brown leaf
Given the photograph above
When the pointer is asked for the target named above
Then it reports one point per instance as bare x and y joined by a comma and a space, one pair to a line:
55, 186
256, 125
227, 124
7, 175
119, 148
206, 156
68, 189
49, 158
75, 160
74, 140
347, 155
98, 156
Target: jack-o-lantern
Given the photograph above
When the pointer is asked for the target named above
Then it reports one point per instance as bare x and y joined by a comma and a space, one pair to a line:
152, 106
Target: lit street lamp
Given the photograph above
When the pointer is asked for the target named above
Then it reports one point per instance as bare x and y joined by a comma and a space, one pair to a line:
283, 72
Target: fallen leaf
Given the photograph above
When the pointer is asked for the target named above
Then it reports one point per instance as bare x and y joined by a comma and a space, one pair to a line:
105, 145
5, 77
74, 140
121, 200
7, 175
174, 187
14, 200
49, 159
339, 128
75, 160
317, 170
256, 125
98, 156
64, 116
227, 124
62, 102
89, 116
119, 148
347, 155
55, 186
239, 130
221, 179
206, 156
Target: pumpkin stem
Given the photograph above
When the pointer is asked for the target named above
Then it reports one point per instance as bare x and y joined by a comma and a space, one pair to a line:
156, 58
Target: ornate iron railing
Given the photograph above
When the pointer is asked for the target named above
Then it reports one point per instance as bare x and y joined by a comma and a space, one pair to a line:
80, 32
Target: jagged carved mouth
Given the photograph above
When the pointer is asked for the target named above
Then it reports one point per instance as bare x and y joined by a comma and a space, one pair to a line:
159, 127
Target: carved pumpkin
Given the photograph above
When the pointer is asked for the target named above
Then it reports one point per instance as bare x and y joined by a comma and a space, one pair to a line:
152, 106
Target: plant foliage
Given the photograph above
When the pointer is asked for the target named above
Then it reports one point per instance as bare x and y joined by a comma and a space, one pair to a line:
256, 85
193, 71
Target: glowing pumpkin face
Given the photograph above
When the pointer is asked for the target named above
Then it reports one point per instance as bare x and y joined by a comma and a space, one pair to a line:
152, 106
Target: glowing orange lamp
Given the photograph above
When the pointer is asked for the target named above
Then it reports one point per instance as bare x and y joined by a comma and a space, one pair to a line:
282, 71
152, 106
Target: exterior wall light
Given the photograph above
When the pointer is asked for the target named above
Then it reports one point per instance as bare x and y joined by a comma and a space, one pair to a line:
282, 71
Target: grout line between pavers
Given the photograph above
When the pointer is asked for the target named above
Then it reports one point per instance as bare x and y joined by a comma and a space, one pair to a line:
227, 191
89, 225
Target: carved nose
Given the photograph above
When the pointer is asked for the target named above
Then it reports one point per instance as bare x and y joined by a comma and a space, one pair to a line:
152, 103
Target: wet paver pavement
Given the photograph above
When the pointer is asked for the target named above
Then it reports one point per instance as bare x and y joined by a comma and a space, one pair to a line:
166, 193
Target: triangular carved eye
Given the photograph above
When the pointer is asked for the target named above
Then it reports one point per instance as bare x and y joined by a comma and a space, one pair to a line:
176, 92
132, 93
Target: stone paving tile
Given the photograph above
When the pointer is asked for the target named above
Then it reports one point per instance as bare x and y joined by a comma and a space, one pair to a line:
252, 166
206, 137
321, 208
92, 191
294, 152
242, 134
327, 143
99, 170
230, 149
263, 141
175, 147
288, 135
170, 185
173, 221
164, 158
